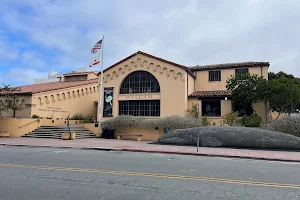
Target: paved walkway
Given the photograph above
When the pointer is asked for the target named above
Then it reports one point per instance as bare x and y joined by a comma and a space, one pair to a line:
128, 145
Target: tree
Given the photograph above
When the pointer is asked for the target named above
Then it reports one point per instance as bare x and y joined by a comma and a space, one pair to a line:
247, 89
285, 95
280, 76
10, 99
281, 93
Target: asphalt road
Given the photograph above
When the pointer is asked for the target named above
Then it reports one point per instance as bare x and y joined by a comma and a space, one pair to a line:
49, 173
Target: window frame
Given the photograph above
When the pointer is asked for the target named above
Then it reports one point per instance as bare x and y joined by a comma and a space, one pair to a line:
143, 108
238, 71
204, 103
139, 82
214, 76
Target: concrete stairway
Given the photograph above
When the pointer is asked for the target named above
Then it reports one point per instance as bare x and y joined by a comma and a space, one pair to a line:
56, 132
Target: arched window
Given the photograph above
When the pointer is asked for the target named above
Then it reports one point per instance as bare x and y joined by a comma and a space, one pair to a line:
140, 82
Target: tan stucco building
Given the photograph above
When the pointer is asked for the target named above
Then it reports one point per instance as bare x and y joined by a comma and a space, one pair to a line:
139, 85
146, 85
75, 93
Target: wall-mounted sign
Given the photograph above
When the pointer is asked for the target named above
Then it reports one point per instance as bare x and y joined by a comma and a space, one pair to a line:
108, 100
144, 96
52, 109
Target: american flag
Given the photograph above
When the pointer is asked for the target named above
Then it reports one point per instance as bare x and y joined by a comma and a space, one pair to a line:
97, 46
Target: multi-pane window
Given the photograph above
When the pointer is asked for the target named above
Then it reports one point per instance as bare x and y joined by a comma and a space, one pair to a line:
140, 107
211, 108
215, 75
140, 82
241, 71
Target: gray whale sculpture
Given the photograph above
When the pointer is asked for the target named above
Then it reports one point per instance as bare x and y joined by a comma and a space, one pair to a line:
230, 136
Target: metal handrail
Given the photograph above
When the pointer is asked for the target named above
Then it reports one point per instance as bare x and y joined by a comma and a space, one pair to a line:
29, 123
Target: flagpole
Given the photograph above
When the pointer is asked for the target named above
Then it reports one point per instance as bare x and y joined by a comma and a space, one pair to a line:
101, 85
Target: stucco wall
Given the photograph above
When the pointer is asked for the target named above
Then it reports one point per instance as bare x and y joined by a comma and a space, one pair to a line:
92, 76
226, 107
172, 80
20, 126
260, 109
202, 80
22, 100
148, 134
61, 103
92, 128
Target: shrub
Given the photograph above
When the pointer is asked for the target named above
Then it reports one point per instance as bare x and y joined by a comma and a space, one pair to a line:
35, 116
229, 136
173, 122
253, 120
230, 118
83, 118
289, 125
193, 112
205, 121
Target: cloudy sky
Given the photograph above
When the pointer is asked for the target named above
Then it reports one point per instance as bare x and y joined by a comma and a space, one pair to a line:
37, 36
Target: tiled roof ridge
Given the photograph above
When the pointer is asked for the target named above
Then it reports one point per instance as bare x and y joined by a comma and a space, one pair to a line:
151, 56
210, 93
229, 65
50, 86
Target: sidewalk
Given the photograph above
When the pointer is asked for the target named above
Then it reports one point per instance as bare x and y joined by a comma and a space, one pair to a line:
135, 146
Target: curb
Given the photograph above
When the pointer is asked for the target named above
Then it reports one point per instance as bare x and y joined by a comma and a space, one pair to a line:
65, 147
211, 155
146, 151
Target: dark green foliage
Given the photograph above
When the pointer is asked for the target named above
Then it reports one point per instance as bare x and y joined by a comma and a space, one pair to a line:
282, 91
35, 116
193, 112
247, 89
11, 99
82, 118
230, 118
205, 121
285, 95
251, 121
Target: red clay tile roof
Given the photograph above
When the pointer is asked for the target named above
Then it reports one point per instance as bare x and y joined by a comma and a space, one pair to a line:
215, 93
44, 87
154, 57
229, 66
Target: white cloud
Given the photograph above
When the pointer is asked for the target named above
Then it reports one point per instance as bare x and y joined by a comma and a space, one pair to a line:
21, 75
186, 32
32, 59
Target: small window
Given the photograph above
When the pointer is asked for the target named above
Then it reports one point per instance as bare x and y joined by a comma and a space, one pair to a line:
211, 108
214, 76
241, 71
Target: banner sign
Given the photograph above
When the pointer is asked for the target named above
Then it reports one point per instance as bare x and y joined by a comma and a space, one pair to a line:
108, 100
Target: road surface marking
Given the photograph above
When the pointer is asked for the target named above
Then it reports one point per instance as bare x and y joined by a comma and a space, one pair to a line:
168, 176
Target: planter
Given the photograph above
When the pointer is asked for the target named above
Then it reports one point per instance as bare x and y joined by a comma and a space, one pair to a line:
73, 136
65, 136
98, 135
4, 134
